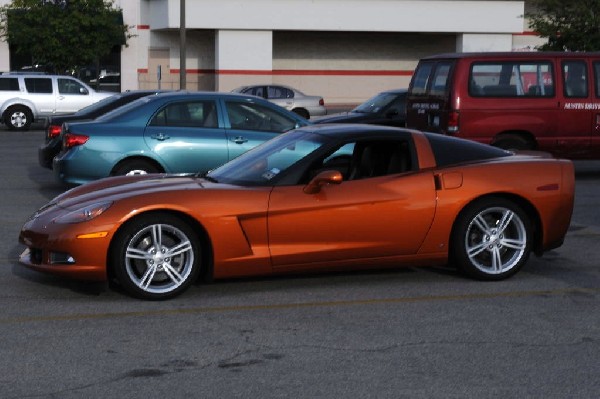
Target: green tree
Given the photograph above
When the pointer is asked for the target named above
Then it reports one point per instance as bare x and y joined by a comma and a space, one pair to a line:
63, 34
572, 25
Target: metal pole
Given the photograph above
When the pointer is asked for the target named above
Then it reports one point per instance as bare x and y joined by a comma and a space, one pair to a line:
182, 46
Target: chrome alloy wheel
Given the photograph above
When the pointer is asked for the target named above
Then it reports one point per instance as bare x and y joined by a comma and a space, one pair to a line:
136, 172
18, 119
496, 240
159, 258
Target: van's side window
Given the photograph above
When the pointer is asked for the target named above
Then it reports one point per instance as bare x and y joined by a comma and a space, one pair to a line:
421, 78
575, 79
511, 79
439, 84
597, 77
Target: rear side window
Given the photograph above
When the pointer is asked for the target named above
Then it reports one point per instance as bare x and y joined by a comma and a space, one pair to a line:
421, 78
597, 77
279, 92
9, 84
511, 79
575, 79
38, 85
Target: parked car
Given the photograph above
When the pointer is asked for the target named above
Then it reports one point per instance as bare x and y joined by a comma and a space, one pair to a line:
169, 132
322, 197
387, 108
547, 101
25, 97
289, 98
53, 141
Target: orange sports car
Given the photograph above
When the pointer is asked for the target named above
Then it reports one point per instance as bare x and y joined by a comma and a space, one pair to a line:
323, 197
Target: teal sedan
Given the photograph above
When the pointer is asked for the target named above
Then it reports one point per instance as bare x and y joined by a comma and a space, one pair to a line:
181, 132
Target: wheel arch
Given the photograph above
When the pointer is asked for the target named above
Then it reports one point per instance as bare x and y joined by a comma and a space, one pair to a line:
529, 209
130, 158
525, 134
20, 102
303, 112
206, 255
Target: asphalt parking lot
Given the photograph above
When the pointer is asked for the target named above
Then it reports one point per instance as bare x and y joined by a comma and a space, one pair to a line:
410, 333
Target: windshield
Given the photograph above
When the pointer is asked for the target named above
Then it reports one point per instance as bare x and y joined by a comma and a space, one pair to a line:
375, 104
262, 164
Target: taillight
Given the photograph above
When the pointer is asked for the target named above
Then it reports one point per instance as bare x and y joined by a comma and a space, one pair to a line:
453, 122
53, 131
321, 102
72, 140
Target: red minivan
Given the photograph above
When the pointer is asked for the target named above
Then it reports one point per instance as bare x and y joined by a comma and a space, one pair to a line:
547, 101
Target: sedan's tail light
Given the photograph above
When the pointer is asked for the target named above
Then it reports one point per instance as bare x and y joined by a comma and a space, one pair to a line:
53, 131
72, 140
321, 102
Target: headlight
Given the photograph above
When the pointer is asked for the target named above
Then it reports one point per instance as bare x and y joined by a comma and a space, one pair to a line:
84, 214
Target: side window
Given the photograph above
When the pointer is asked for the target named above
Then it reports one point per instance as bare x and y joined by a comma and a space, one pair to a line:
187, 114
251, 116
597, 78
575, 81
255, 91
70, 86
366, 159
439, 85
421, 78
511, 79
279, 92
9, 84
39, 85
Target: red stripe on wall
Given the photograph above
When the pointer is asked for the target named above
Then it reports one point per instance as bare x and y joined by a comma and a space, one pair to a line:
290, 72
143, 26
526, 33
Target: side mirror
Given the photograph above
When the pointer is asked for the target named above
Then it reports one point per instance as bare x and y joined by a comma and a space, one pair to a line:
323, 178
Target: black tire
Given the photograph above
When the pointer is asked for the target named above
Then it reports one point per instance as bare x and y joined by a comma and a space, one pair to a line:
513, 142
491, 239
156, 256
302, 112
135, 167
18, 117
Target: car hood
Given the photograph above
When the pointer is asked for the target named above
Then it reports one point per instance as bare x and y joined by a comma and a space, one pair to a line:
116, 188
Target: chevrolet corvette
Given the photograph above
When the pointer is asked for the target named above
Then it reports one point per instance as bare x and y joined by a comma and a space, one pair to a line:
322, 197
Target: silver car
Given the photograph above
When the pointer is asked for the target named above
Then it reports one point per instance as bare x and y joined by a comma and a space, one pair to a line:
288, 98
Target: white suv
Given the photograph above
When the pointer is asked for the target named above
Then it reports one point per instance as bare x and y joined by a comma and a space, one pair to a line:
27, 97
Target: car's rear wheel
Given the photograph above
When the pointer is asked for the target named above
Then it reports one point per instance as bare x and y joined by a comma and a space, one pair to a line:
491, 239
156, 256
18, 117
135, 167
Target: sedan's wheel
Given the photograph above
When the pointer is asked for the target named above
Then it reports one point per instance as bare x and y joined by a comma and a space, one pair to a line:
18, 117
156, 256
491, 239
135, 167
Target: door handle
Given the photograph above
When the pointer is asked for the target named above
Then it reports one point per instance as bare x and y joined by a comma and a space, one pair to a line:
239, 140
160, 137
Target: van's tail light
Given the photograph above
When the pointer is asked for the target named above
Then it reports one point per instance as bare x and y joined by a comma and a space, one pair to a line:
72, 140
453, 122
321, 101
53, 131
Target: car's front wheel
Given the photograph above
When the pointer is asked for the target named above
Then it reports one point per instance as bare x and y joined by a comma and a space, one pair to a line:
18, 117
492, 239
156, 256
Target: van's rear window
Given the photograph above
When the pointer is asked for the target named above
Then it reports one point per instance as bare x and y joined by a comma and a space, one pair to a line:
511, 79
431, 78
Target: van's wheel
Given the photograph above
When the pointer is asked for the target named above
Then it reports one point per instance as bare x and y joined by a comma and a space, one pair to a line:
156, 256
491, 239
513, 142
135, 167
302, 112
18, 117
